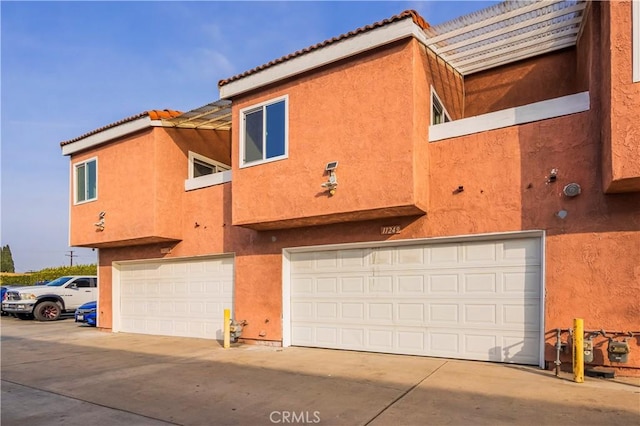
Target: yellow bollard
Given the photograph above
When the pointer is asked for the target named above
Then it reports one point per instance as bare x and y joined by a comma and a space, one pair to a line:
227, 328
578, 350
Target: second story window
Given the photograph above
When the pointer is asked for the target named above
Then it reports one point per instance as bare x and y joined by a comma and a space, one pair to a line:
86, 180
438, 113
264, 132
199, 165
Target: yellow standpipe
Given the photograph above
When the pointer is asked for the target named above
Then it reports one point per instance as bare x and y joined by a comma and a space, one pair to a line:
227, 328
578, 350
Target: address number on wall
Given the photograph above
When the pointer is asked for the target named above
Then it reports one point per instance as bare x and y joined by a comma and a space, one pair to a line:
387, 230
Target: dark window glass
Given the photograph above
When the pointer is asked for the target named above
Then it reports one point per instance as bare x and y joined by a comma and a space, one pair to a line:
275, 130
253, 150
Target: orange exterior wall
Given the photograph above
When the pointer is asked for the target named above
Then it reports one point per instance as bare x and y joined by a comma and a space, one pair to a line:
521, 83
359, 114
206, 207
140, 182
591, 257
621, 100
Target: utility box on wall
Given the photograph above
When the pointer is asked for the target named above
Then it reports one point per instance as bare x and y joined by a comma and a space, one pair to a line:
618, 351
588, 351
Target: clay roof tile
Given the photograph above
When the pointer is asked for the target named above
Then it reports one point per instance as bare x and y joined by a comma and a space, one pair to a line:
153, 114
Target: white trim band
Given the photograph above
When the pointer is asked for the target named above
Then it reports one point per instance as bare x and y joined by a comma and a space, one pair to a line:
207, 180
537, 111
110, 134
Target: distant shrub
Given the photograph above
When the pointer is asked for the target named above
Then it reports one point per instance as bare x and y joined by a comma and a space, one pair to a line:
47, 274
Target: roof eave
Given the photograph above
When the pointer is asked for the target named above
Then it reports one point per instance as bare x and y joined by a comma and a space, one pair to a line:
326, 55
109, 135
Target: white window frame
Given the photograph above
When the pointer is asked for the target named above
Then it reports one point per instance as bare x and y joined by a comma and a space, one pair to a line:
635, 39
75, 181
218, 166
252, 108
435, 99
220, 176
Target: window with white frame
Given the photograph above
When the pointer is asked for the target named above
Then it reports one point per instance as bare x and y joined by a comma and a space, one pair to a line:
635, 10
264, 132
86, 180
438, 113
199, 165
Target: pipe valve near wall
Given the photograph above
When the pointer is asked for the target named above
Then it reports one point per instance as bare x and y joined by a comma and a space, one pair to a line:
235, 329
232, 329
617, 350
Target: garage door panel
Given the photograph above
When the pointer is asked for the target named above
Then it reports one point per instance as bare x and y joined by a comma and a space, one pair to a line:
484, 282
457, 300
176, 298
519, 250
444, 283
482, 253
410, 255
443, 255
520, 282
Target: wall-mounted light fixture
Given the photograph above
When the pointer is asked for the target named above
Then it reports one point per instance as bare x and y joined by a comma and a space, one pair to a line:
100, 223
332, 183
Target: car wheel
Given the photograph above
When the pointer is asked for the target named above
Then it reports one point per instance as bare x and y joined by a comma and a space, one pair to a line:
47, 311
23, 316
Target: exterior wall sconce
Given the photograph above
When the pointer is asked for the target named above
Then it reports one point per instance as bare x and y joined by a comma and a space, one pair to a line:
331, 184
100, 223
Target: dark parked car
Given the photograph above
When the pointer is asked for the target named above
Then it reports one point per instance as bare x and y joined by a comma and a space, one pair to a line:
87, 313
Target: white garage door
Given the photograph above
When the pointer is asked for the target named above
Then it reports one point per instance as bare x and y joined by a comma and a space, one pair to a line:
176, 298
468, 300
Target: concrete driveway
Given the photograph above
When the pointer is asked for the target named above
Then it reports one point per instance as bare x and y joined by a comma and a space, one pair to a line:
63, 373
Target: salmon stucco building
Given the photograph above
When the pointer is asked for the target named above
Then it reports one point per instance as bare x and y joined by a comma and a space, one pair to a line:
462, 190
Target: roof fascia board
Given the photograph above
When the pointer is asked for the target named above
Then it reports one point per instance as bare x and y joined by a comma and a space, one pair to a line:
323, 56
557, 107
110, 134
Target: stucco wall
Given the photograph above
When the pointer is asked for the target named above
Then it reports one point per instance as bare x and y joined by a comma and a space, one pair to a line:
340, 112
360, 116
205, 229
126, 185
140, 185
621, 137
521, 83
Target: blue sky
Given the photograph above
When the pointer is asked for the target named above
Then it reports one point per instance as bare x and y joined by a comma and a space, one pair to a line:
71, 67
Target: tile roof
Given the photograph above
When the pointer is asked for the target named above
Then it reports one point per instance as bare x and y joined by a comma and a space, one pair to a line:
417, 19
154, 114
505, 32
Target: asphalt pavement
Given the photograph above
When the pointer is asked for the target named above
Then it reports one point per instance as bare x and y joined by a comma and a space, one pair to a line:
64, 373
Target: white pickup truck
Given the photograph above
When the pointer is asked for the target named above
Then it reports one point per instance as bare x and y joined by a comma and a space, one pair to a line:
48, 302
